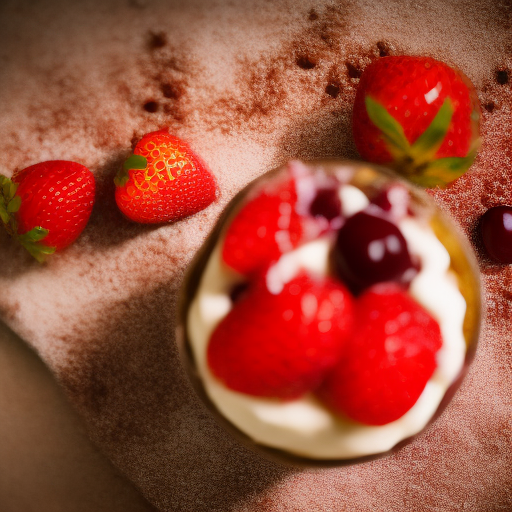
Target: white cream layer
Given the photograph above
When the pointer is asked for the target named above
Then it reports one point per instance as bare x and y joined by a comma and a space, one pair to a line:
305, 427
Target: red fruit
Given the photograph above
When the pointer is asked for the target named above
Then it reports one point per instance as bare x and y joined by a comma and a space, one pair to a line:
163, 181
47, 205
282, 345
371, 249
419, 116
265, 228
389, 360
496, 231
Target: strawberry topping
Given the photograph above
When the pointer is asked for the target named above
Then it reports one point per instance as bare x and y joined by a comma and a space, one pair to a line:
282, 345
266, 227
388, 361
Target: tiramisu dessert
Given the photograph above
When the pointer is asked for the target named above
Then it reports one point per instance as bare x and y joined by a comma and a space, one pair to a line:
331, 312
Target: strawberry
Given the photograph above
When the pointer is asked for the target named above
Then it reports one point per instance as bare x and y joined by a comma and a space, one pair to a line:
47, 205
389, 360
266, 227
163, 181
282, 345
418, 116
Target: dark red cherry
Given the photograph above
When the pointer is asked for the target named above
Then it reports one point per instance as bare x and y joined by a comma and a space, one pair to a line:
383, 201
326, 204
394, 200
496, 229
369, 250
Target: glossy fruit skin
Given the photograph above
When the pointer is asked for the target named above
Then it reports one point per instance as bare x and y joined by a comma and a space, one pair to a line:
282, 345
174, 184
266, 227
56, 195
388, 361
496, 232
413, 90
370, 249
326, 204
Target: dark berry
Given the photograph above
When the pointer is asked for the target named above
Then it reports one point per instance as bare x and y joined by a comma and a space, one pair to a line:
496, 229
383, 201
394, 199
326, 204
369, 250
239, 291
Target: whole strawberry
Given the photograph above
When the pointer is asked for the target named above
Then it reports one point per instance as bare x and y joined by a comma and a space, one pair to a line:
388, 360
418, 116
163, 181
282, 345
266, 227
47, 205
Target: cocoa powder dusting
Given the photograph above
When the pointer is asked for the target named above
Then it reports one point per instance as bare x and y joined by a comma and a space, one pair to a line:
249, 85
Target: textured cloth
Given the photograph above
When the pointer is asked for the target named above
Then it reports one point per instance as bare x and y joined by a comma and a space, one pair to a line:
249, 85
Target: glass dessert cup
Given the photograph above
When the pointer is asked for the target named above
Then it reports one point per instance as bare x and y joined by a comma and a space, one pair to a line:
355, 442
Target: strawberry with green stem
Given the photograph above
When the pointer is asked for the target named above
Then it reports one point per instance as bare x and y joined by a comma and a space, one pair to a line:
46, 206
163, 181
417, 116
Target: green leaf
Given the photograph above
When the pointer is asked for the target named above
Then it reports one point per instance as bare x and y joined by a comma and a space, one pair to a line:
12, 189
4, 216
121, 178
426, 145
14, 204
34, 235
132, 162
439, 173
6, 184
135, 162
31, 242
390, 128
34, 251
45, 249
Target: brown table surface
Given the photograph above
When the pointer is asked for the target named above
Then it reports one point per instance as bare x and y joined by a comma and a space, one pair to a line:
225, 75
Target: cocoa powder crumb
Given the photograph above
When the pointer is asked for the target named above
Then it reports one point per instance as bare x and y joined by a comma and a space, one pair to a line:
503, 76
305, 62
157, 40
384, 48
353, 70
489, 106
151, 106
312, 15
172, 90
333, 90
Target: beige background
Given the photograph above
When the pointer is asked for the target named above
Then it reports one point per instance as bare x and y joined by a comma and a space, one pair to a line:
74, 80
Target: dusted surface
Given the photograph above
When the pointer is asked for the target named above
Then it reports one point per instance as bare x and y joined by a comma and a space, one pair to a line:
249, 85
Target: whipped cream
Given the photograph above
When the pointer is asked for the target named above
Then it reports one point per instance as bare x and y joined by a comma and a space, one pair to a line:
305, 427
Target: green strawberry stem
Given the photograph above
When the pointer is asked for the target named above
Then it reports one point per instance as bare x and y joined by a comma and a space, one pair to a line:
417, 161
391, 130
9, 204
428, 143
132, 162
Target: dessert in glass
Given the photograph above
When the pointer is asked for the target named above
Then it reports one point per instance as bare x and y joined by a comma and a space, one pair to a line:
331, 314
